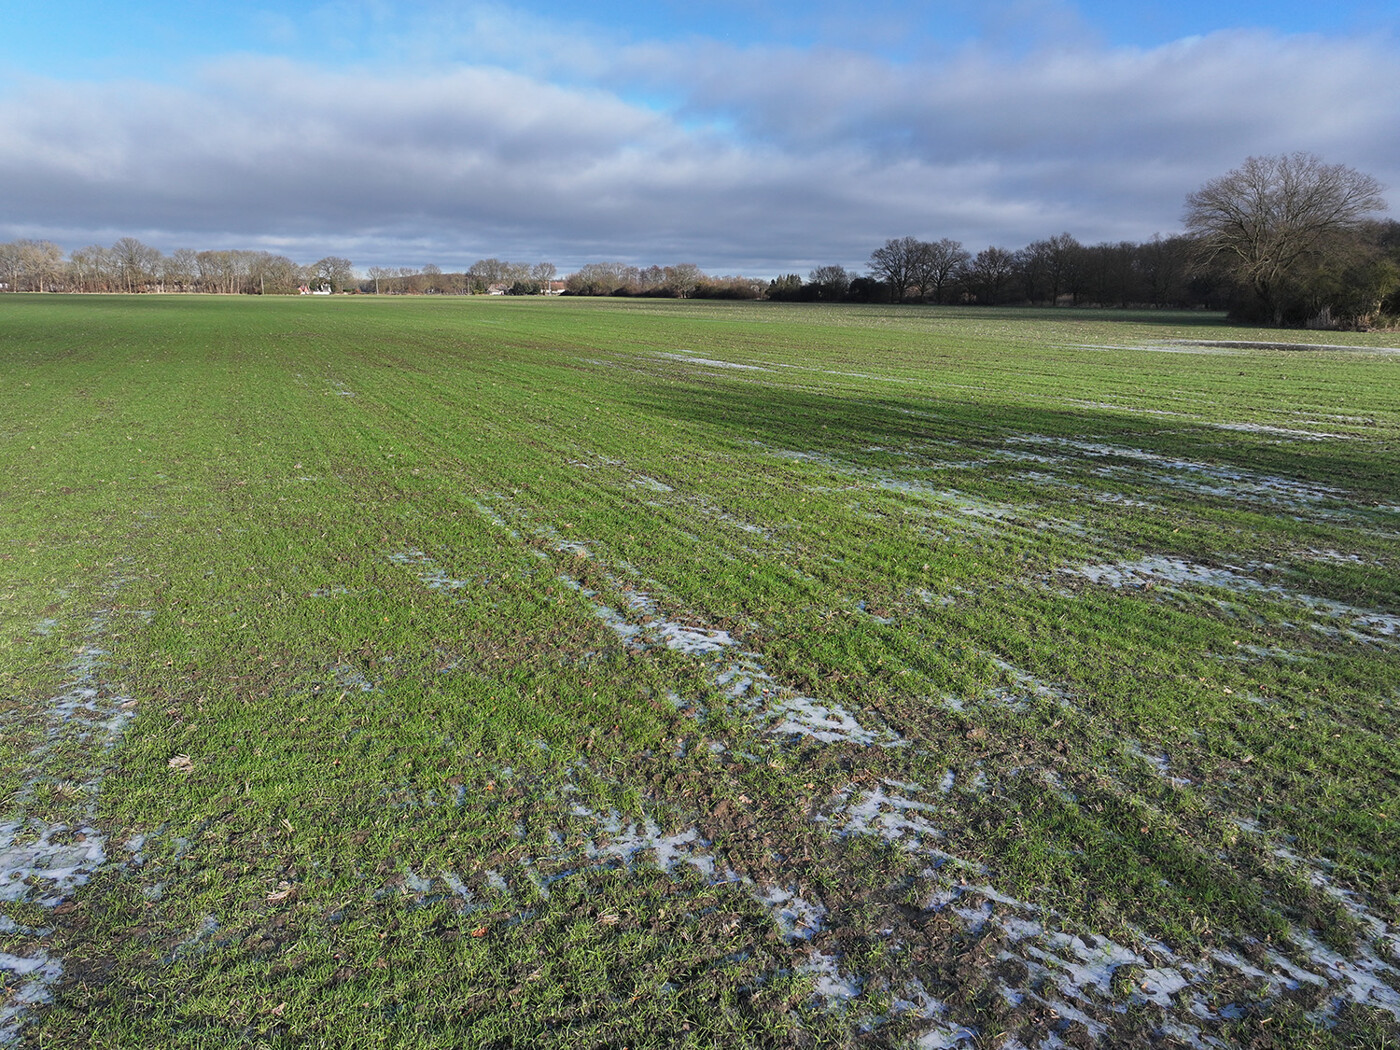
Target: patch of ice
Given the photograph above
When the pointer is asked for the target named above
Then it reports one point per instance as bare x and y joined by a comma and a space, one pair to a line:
1160, 763
31, 985
689, 358
1024, 686
947, 1038
1177, 572
827, 722
1156, 348
626, 842
433, 577
887, 812
952, 498
44, 863
1245, 344
1160, 983
1120, 500
797, 919
1270, 652
1333, 555
455, 885
687, 639
348, 677
1203, 478
1264, 428
831, 985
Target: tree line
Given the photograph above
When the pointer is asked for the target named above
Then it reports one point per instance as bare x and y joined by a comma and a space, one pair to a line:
682, 281
1058, 270
483, 276
131, 266
1283, 239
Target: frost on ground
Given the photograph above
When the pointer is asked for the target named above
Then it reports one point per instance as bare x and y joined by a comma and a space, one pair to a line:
429, 572
1206, 479
963, 512
641, 624
27, 982
1084, 979
1052, 965
1171, 574
43, 863
689, 357
1075, 972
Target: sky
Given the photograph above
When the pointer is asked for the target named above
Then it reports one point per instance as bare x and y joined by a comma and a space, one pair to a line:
746, 137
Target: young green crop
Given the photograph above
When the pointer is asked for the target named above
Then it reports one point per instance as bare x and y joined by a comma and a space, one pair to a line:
481, 672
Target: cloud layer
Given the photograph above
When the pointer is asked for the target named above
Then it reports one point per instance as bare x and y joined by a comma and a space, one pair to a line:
751, 159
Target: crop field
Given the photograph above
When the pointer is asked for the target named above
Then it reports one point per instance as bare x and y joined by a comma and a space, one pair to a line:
566, 673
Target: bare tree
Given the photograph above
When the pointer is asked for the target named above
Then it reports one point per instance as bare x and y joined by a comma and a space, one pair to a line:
920, 261
486, 272
544, 273
944, 260
1048, 268
652, 279
215, 271
224, 271
334, 270
1272, 216
832, 282
989, 273
932, 265
683, 278
34, 265
1108, 274
11, 265
90, 269
1065, 258
272, 274
135, 263
1164, 269
604, 279
894, 264
178, 269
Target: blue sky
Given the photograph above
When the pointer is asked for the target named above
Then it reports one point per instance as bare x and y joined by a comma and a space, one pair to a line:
159, 40
747, 137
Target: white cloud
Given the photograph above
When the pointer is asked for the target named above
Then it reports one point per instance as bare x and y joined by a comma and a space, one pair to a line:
769, 158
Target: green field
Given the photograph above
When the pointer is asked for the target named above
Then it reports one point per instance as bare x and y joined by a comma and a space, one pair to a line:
589, 673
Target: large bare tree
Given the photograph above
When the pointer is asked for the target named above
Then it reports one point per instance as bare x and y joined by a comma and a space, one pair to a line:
136, 263
989, 272
544, 273
936, 266
334, 270
832, 281
1273, 217
90, 269
894, 262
